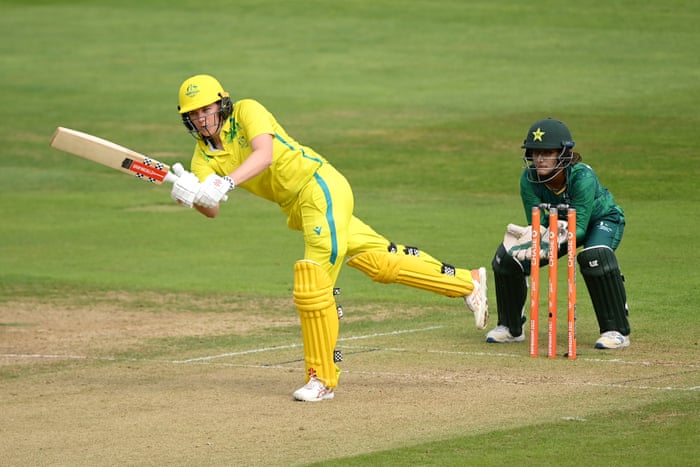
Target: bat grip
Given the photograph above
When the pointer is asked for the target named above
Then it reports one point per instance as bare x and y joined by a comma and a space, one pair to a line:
171, 177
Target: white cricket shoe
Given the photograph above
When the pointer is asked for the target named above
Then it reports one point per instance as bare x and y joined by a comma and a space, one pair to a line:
313, 391
477, 301
501, 335
612, 340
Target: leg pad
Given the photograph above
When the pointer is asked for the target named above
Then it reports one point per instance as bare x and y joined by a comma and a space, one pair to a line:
313, 297
397, 268
511, 290
606, 287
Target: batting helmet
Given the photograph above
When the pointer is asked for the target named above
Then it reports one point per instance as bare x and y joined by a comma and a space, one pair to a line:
548, 133
199, 91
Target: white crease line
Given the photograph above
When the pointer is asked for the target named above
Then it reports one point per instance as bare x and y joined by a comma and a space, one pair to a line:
407, 375
268, 367
629, 386
19, 355
348, 339
514, 355
234, 354
392, 333
432, 377
292, 346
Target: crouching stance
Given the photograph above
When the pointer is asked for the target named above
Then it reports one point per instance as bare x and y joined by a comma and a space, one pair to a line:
241, 144
555, 175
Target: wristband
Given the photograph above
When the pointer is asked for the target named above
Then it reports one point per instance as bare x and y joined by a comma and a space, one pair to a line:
231, 185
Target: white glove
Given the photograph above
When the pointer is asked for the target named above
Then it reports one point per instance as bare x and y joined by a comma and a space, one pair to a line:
213, 190
518, 240
185, 188
544, 241
562, 232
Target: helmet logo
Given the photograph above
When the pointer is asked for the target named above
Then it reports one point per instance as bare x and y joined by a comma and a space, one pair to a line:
537, 135
192, 90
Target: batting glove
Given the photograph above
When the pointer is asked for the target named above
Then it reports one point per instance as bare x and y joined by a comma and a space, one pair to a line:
213, 190
185, 189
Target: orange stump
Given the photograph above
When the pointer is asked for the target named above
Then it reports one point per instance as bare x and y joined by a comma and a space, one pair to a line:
552, 280
553, 258
571, 283
535, 282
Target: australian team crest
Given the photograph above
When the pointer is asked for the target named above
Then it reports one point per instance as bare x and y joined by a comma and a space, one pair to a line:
192, 90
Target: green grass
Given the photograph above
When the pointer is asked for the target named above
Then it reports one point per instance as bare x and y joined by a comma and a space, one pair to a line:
422, 104
656, 434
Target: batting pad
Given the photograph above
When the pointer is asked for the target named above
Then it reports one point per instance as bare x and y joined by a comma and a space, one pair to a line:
313, 297
395, 268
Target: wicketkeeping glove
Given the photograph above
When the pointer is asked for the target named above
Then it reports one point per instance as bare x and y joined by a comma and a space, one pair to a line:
185, 188
518, 240
213, 190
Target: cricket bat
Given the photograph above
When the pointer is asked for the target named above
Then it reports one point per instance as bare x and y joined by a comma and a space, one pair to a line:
112, 155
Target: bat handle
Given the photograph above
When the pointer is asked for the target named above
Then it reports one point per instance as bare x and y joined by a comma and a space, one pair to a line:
172, 178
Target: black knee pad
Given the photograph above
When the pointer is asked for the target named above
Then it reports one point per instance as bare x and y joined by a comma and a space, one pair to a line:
511, 290
606, 287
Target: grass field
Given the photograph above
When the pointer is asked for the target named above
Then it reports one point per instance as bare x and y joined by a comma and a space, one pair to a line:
135, 332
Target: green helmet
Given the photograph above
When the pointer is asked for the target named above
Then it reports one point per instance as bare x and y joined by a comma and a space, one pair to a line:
548, 133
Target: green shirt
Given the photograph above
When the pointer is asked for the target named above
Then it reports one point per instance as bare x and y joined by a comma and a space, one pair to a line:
583, 192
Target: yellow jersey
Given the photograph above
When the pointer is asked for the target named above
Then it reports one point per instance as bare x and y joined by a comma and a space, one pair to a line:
292, 166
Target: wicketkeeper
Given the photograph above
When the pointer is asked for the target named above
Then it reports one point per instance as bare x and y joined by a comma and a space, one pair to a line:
554, 175
241, 144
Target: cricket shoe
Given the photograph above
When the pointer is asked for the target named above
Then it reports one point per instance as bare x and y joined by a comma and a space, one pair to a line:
612, 340
501, 335
313, 391
477, 301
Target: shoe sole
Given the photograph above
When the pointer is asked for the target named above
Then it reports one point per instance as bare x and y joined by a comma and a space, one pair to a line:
506, 340
491, 340
622, 345
481, 320
326, 397
602, 346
